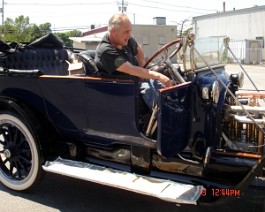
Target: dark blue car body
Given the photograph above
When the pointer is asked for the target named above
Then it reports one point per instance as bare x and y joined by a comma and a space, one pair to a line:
102, 119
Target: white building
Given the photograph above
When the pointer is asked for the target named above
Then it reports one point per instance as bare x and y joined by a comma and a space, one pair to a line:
245, 28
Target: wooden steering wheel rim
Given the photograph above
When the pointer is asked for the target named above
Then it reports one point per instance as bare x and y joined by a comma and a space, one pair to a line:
178, 40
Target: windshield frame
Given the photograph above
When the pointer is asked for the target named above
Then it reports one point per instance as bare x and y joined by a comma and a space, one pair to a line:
212, 49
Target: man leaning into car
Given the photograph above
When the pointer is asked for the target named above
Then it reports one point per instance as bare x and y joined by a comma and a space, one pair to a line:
119, 52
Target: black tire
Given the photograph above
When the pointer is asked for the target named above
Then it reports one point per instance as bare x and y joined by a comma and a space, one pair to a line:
20, 167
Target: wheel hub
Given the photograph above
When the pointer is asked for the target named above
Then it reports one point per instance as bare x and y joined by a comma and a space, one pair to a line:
7, 153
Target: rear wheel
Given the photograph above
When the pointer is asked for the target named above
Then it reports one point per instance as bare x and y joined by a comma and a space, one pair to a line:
20, 166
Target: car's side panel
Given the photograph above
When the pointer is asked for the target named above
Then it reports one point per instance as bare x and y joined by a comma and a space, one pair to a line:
23, 88
64, 99
111, 106
174, 119
94, 110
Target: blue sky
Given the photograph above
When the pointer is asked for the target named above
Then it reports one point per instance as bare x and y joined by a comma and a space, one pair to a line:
80, 14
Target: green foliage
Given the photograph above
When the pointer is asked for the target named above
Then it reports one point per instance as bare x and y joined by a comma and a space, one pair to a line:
64, 36
187, 31
21, 30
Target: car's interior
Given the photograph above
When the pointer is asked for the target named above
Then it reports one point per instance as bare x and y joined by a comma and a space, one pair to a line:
48, 56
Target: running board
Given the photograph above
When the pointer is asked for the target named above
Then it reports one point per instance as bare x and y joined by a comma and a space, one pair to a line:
163, 189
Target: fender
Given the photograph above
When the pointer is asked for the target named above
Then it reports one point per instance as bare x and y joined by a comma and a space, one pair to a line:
13, 105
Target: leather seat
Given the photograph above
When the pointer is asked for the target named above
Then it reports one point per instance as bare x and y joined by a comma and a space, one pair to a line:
46, 54
47, 60
87, 57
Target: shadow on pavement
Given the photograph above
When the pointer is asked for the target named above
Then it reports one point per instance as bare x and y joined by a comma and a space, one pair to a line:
66, 194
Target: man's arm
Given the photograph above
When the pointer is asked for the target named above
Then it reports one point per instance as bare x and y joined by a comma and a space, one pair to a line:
140, 56
140, 72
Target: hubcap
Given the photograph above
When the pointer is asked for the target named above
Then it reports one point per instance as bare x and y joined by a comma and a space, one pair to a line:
7, 153
15, 157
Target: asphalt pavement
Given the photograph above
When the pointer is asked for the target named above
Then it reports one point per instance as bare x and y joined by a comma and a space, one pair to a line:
60, 193
256, 74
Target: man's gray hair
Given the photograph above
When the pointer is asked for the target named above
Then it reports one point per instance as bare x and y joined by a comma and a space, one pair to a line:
116, 21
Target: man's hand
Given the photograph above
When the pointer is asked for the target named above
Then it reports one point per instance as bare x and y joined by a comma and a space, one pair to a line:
144, 73
165, 80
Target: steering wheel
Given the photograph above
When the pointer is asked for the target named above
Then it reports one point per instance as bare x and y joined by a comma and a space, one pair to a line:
164, 62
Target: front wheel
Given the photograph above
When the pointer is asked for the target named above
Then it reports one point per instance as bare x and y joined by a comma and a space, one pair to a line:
20, 166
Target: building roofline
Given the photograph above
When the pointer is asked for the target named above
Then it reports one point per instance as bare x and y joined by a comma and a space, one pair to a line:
105, 28
86, 39
230, 13
95, 31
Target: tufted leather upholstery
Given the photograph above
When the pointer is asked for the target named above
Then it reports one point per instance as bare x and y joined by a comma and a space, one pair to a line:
51, 61
87, 57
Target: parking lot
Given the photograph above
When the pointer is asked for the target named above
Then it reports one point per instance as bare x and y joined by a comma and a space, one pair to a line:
59, 193
256, 73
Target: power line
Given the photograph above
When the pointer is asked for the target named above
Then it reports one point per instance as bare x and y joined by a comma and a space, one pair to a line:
72, 28
178, 6
111, 3
187, 9
58, 4
161, 8
151, 4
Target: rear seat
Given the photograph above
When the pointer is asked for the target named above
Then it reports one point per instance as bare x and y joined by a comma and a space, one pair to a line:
45, 54
47, 60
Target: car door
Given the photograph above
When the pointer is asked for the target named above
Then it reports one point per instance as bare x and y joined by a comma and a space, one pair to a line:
111, 106
174, 119
64, 100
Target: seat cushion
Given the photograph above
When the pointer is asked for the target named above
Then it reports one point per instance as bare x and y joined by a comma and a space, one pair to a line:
47, 60
45, 54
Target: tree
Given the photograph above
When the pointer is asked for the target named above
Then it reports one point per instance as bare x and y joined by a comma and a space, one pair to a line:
187, 31
45, 28
64, 36
39, 31
183, 24
9, 29
21, 30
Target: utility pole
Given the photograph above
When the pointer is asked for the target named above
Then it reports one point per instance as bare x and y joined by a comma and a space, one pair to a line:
3, 31
122, 6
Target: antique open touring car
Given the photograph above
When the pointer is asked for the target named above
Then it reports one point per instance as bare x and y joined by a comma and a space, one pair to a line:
202, 143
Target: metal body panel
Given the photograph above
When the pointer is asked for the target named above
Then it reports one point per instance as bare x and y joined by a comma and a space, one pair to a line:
111, 106
98, 110
174, 119
163, 189
64, 102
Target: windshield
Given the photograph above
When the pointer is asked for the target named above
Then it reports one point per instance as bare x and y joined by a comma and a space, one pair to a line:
211, 49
